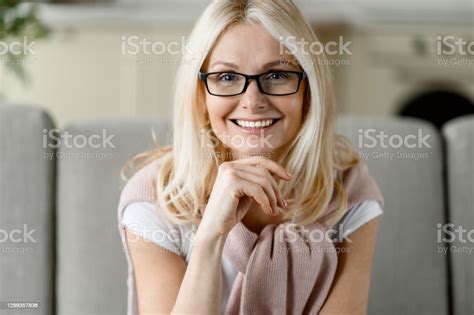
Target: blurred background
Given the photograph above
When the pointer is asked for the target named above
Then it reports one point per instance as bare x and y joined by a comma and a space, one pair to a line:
401, 56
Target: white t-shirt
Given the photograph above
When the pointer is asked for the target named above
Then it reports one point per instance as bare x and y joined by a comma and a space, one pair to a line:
142, 219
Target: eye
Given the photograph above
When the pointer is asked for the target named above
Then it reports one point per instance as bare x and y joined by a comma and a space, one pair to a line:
276, 75
227, 77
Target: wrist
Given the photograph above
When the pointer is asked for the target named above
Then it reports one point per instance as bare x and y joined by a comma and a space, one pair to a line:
205, 235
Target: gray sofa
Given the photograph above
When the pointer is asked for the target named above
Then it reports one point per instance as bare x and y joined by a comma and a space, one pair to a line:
66, 198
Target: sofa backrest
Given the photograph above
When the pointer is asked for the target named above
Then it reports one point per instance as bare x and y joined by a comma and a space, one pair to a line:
459, 135
26, 209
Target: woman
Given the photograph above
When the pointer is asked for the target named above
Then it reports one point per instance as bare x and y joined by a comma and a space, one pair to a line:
254, 151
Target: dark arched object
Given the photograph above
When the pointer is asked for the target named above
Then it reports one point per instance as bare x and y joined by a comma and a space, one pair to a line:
438, 107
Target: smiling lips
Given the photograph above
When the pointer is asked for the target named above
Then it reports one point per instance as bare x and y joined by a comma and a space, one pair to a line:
254, 123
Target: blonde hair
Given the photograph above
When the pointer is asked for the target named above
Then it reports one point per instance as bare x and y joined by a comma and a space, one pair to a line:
317, 156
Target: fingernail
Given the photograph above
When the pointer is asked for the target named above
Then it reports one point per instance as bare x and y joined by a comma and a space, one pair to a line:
285, 203
289, 174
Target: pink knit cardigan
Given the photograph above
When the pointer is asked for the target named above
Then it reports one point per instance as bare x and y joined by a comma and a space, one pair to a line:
282, 270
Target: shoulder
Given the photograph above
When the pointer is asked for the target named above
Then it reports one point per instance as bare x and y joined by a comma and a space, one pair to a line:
356, 216
140, 186
146, 221
360, 185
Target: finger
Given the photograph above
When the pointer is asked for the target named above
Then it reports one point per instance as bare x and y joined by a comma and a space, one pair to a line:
256, 192
272, 166
262, 172
265, 184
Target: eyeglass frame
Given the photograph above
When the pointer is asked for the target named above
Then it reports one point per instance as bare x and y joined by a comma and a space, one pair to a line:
204, 75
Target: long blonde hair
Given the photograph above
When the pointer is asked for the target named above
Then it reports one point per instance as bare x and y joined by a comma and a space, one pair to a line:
317, 156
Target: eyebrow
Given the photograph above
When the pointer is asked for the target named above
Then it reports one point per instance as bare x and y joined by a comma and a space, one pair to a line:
267, 65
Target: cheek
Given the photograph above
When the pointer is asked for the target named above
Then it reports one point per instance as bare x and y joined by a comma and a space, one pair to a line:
298, 111
213, 109
294, 113
217, 111
295, 124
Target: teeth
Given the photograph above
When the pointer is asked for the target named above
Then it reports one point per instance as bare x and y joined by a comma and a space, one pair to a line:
255, 124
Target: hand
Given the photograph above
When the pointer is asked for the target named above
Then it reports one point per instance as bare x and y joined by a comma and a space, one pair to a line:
237, 184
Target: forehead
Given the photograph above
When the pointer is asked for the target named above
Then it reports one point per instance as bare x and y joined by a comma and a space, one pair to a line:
247, 45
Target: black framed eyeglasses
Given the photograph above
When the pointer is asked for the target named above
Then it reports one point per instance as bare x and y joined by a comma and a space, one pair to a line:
278, 83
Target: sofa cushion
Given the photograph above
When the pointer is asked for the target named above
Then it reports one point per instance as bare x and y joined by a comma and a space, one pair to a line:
91, 273
408, 274
459, 134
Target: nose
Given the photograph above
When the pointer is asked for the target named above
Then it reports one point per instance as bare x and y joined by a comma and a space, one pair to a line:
253, 99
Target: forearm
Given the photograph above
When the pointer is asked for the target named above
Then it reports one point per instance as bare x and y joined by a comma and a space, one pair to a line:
200, 291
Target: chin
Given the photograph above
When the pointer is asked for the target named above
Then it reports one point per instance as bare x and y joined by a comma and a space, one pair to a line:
247, 152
